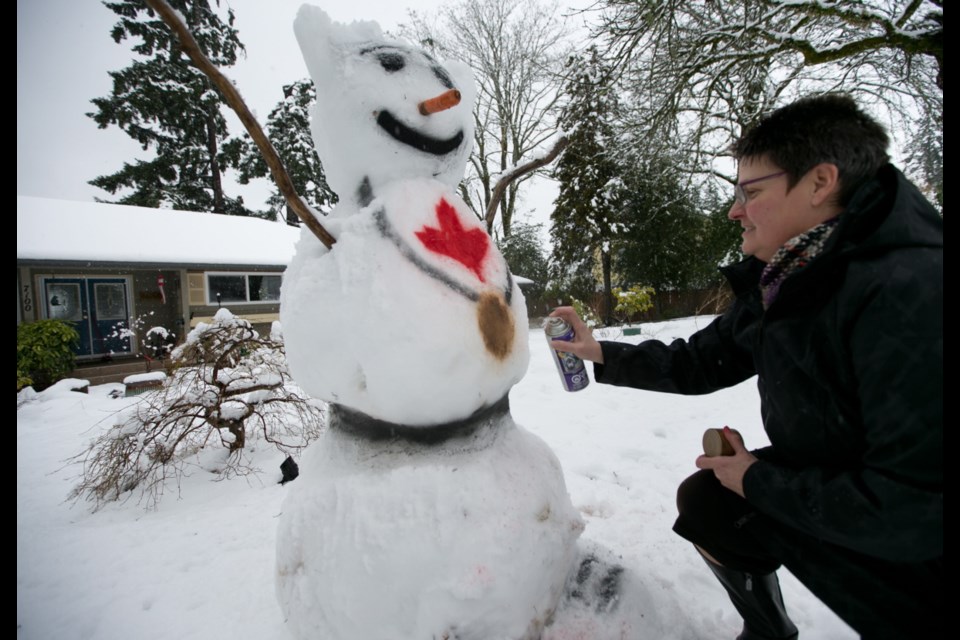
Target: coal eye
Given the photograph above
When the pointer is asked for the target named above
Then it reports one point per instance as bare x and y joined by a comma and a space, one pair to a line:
391, 62
442, 76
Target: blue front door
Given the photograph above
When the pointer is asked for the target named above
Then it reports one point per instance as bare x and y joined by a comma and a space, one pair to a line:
108, 315
97, 307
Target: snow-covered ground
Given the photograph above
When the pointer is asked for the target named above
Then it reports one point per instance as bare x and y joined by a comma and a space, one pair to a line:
202, 564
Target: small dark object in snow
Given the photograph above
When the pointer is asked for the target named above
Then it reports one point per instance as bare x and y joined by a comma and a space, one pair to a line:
289, 469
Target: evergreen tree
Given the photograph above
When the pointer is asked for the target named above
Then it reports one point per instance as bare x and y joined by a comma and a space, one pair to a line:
670, 240
925, 155
525, 257
288, 128
170, 108
586, 218
674, 236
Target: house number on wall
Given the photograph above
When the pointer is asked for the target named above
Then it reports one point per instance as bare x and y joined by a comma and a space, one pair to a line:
27, 299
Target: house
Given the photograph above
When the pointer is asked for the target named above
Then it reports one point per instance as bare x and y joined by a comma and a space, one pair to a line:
106, 266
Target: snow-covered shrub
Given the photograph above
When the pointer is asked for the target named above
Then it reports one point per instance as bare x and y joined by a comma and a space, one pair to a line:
229, 386
632, 302
586, 313
25, 394
45, 352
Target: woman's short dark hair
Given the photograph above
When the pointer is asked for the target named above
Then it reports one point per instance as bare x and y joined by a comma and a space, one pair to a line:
824, 128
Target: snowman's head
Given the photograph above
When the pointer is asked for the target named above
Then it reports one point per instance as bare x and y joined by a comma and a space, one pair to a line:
368, 123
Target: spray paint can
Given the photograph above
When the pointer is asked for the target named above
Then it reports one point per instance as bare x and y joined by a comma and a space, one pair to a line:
573, 372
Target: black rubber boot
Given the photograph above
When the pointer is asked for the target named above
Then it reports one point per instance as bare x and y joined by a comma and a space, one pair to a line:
759, 602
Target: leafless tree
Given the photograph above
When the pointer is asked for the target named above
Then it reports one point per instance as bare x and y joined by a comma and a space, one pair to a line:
230, 385
702, 70
516, 49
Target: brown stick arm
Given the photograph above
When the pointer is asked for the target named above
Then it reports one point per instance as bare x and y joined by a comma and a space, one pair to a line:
233, 98
518, 172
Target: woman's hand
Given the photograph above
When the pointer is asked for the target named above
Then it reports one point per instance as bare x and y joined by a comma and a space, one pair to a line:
730, 469
583, 344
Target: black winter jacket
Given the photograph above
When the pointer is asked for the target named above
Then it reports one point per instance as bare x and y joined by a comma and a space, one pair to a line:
849, 360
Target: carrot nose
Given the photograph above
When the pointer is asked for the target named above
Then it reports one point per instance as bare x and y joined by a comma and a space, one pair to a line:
440, 103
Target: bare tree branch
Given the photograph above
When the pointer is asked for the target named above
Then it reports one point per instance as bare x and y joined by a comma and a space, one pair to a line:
701, 71
518, 172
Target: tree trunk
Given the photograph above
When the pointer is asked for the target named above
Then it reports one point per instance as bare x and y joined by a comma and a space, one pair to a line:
219, 206
607, 288
506, 216
235, 427
504, 154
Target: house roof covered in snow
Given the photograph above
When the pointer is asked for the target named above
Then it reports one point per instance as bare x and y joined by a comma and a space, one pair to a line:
93, 233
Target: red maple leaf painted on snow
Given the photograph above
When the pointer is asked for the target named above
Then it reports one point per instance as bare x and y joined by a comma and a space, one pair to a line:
467, 246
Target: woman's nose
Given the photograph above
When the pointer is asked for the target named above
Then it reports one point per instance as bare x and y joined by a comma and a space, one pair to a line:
736, 211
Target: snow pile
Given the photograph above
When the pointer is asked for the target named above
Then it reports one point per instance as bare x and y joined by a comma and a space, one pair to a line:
208, 569
152, 376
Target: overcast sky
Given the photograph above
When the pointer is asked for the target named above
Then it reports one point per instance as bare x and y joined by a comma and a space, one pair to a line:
64, 52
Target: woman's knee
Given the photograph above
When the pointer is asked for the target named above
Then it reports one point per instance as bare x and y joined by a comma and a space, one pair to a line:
710, 518
698, 494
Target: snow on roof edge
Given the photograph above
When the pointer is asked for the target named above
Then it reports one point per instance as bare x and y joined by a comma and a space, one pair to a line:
70, 231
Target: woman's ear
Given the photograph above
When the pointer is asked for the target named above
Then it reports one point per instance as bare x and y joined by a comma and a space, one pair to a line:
826, 184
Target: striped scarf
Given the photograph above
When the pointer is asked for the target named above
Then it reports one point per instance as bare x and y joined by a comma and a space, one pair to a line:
793, 256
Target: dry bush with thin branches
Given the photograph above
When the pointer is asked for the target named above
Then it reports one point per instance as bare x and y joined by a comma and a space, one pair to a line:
229, 386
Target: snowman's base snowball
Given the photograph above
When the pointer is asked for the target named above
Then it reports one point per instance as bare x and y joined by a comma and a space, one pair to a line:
472, 537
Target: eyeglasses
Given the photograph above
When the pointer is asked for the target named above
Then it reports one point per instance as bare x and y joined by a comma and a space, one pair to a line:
741, 196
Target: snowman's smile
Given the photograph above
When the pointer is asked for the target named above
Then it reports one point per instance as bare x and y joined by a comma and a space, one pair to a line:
411, 137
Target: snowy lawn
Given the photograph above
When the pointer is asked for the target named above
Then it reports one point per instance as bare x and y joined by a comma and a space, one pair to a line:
201, 565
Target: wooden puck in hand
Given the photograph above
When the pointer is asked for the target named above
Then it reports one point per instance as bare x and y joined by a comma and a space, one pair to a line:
714, 444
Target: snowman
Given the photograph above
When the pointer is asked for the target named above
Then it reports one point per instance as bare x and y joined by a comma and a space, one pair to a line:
423, 511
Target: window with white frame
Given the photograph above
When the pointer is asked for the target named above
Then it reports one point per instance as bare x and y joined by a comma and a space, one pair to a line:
242, 288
